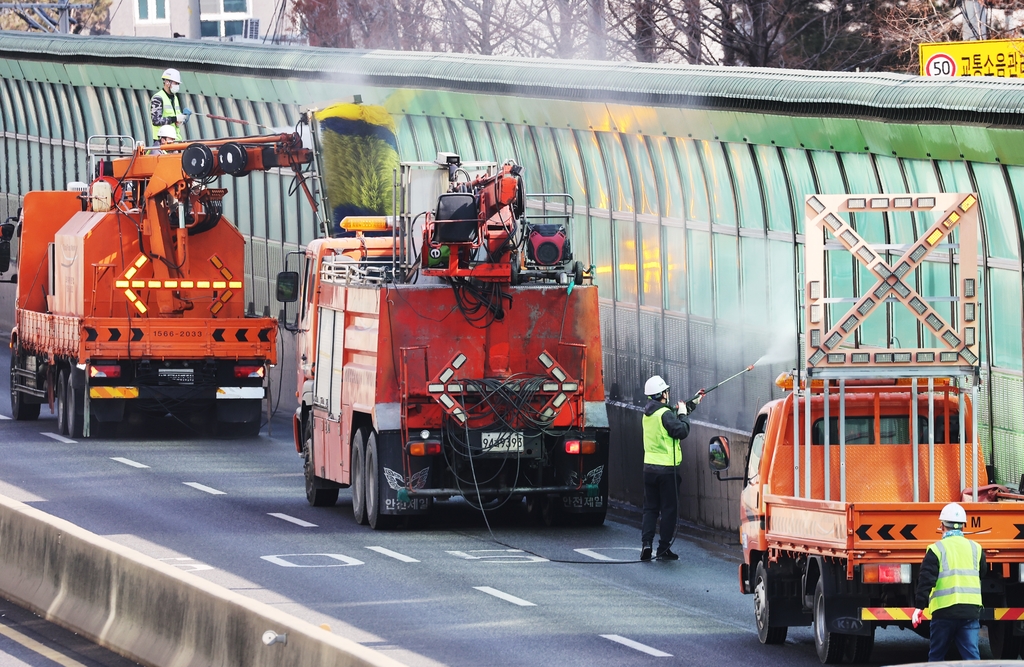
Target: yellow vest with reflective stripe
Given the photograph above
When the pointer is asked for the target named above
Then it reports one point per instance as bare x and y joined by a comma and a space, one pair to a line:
660, 448
171, 110
959, 581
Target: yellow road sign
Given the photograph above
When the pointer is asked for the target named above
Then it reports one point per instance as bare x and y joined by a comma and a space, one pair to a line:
993, 57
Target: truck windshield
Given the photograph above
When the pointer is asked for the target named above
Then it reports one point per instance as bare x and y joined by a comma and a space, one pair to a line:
893, 430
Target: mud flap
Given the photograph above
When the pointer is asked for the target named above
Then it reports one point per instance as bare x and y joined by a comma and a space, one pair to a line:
392, 483
591, 477
842, 608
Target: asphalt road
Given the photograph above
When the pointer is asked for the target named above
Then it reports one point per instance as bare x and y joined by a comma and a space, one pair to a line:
234, 512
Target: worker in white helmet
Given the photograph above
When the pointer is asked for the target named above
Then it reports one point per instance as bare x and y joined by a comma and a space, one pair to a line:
663, 428
165, 107
949, 586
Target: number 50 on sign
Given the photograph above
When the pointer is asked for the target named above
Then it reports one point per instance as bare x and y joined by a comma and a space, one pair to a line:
940, 64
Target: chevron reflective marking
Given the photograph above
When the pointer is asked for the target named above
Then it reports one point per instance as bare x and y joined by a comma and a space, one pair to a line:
218, 335
888, 532
137, 334
1008, 613
264, 335
889, 613
113, 392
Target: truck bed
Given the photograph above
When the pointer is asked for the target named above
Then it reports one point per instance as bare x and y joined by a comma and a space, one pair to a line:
168, 338
886, 532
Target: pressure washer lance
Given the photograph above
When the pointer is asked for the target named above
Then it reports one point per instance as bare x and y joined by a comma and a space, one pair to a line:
705, 392
189, 112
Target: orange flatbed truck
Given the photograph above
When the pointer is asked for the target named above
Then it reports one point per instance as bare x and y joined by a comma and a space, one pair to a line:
845, 476
131, 292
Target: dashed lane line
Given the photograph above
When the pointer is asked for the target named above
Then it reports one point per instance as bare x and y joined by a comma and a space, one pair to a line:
393, 554
203, 487
59, 438
505, 596
41, 649
128, 462
3, 417
291, 519
643, 648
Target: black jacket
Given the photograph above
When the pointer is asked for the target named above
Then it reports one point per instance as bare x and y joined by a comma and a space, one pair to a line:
678, 426
926, 582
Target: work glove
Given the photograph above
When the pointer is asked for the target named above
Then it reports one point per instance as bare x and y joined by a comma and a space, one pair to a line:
687, 407
187, 113
918, 617
179, 119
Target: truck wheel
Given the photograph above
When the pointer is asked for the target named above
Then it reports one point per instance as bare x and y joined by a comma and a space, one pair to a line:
859, 647
830, 645
377, 520
20, 409
762, 613
76, 410
358, 476
61, 395
1005, 645
316, 494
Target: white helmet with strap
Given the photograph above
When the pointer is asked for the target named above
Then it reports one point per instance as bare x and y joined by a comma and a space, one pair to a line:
171, 74
654, 386
953, 513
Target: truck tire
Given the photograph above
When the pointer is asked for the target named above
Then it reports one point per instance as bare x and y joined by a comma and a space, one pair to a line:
316, 494
829, 645
61, 397
75, 402
376, 519
859, 647
762, 610
359, 476
21, 410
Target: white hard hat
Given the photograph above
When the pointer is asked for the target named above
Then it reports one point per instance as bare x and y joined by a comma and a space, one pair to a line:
654, 386
953, 513
167, 132
172, 74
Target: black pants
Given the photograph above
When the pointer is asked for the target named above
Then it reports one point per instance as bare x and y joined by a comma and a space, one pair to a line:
661, 495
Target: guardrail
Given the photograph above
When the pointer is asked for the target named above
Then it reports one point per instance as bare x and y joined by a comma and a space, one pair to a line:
149, 611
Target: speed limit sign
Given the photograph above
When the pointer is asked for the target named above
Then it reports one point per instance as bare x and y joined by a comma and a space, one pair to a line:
940, 64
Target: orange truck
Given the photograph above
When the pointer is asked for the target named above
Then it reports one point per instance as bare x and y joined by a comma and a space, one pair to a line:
131, 294
845, 476
455, 353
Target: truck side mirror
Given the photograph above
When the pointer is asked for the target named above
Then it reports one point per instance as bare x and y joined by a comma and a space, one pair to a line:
5, 255
288, 286
7, 230
718, 453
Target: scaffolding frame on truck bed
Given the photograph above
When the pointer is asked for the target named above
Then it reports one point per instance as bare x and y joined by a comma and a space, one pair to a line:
829, 355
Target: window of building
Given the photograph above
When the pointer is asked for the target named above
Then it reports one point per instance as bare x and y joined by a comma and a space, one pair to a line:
152, 10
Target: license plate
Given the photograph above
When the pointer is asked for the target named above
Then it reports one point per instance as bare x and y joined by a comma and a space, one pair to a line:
502, 441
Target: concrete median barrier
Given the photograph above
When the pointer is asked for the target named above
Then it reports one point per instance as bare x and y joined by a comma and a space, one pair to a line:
147, 610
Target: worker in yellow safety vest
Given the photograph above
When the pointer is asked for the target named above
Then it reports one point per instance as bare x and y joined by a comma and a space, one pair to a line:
949, 586
663, 428
165, 107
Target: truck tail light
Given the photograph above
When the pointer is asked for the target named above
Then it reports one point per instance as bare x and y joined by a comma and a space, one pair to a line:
580, 446
885, 573
429, 448
250, 370
104, 371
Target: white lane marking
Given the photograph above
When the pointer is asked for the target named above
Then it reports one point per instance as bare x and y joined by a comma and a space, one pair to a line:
59, 438
2, 417
393, 554
282, 560
596, 555
643, 648
41, 649
505, 596
291, 519
203, 487
499, 556
187, 564
128, 462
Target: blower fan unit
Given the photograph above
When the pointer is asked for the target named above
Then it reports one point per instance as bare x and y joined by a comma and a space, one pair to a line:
548, 245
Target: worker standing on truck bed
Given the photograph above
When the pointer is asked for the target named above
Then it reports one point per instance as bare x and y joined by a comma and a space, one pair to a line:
165, 107
663, 429
950, 587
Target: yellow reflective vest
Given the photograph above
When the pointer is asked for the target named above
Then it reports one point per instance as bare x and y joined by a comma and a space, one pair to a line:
660, 448
959, 581
171, 110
